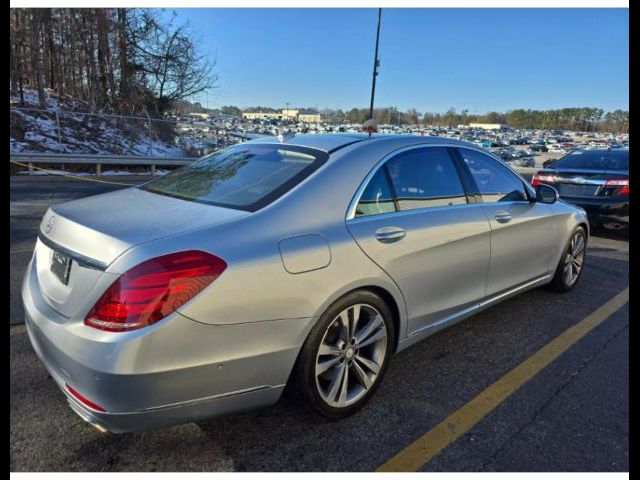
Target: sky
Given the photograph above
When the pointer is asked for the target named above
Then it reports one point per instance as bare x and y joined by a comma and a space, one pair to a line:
430, 59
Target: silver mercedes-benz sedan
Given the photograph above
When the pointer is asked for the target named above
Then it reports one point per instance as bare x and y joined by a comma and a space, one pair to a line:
305, 262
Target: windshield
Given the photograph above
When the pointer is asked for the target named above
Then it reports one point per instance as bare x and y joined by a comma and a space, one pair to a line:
595, 160
245, 176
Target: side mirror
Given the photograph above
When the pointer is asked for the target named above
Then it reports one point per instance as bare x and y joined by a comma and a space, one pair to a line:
546, 194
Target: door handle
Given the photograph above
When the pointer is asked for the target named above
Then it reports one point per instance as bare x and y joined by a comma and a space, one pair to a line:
390, 234
502, 217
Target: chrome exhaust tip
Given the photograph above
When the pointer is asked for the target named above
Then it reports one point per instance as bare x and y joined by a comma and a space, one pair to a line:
99, 427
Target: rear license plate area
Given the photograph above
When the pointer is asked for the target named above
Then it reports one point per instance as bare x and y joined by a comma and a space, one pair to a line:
61, 266
572, 190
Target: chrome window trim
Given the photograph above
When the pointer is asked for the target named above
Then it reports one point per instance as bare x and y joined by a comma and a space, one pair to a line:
413, 211
351, 210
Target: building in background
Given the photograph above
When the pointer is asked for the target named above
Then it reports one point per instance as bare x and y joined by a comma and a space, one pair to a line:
285, 114
290, 114
310, 118
489, 126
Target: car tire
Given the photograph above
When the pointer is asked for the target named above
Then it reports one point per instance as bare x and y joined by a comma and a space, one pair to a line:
565, 280
319, 378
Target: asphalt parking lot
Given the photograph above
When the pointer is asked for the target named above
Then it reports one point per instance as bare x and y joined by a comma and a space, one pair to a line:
573, 415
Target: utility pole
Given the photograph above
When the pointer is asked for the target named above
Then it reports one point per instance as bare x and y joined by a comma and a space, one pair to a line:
376, 64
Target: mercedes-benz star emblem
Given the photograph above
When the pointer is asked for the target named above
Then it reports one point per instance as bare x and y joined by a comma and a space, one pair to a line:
50, 223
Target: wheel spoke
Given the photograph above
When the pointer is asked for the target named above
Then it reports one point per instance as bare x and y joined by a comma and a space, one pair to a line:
373, 338
369, 329
322, 367
336, 382
579, 247
328, 350
356, 318
342, 400
363, 378
371, 365
567, 273
345, 332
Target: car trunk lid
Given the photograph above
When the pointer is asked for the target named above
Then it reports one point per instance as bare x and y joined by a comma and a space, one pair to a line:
90, 233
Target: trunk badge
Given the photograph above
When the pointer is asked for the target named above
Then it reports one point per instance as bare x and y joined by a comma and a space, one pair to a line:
50, 223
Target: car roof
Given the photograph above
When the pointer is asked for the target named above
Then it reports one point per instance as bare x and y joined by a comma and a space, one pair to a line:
330, 142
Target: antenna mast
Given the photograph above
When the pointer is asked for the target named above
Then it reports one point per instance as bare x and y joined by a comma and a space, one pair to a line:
376, 64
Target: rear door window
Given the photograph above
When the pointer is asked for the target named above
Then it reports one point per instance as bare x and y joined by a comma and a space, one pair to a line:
425, 177
376, 197
416, 178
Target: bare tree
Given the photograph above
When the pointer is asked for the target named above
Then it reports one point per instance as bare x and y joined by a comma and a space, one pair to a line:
122, 55
36, 54
171, 61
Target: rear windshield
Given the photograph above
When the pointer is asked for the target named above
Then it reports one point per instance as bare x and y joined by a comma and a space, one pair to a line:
595, 159
245, 176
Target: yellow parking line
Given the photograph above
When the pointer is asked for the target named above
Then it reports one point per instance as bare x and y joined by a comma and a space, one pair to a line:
16, 329
22, 250
459, 422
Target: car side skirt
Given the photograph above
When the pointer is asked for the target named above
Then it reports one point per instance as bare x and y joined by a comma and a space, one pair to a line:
460, 315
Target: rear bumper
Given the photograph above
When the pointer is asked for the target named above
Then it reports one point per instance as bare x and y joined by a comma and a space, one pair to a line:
603, 211
186, 411
180, 371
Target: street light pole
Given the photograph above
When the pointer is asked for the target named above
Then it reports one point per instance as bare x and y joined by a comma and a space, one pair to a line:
376, 64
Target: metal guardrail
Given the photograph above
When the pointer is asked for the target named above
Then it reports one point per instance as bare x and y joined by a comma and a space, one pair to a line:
98, 160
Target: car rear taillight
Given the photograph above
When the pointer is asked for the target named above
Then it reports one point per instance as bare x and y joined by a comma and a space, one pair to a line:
84, 400
539, 178
154, 289
622, 183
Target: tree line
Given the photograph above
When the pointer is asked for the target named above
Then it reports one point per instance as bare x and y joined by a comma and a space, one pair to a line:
114, 59
586, 119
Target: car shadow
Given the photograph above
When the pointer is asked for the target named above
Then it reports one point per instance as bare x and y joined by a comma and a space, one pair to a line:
610, 234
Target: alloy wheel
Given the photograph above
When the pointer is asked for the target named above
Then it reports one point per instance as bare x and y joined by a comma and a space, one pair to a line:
574, 258
351, 355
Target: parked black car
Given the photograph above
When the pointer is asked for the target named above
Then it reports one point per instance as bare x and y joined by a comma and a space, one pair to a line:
596, 180
538, 147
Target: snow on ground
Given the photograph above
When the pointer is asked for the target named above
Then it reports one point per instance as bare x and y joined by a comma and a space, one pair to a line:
37, 131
